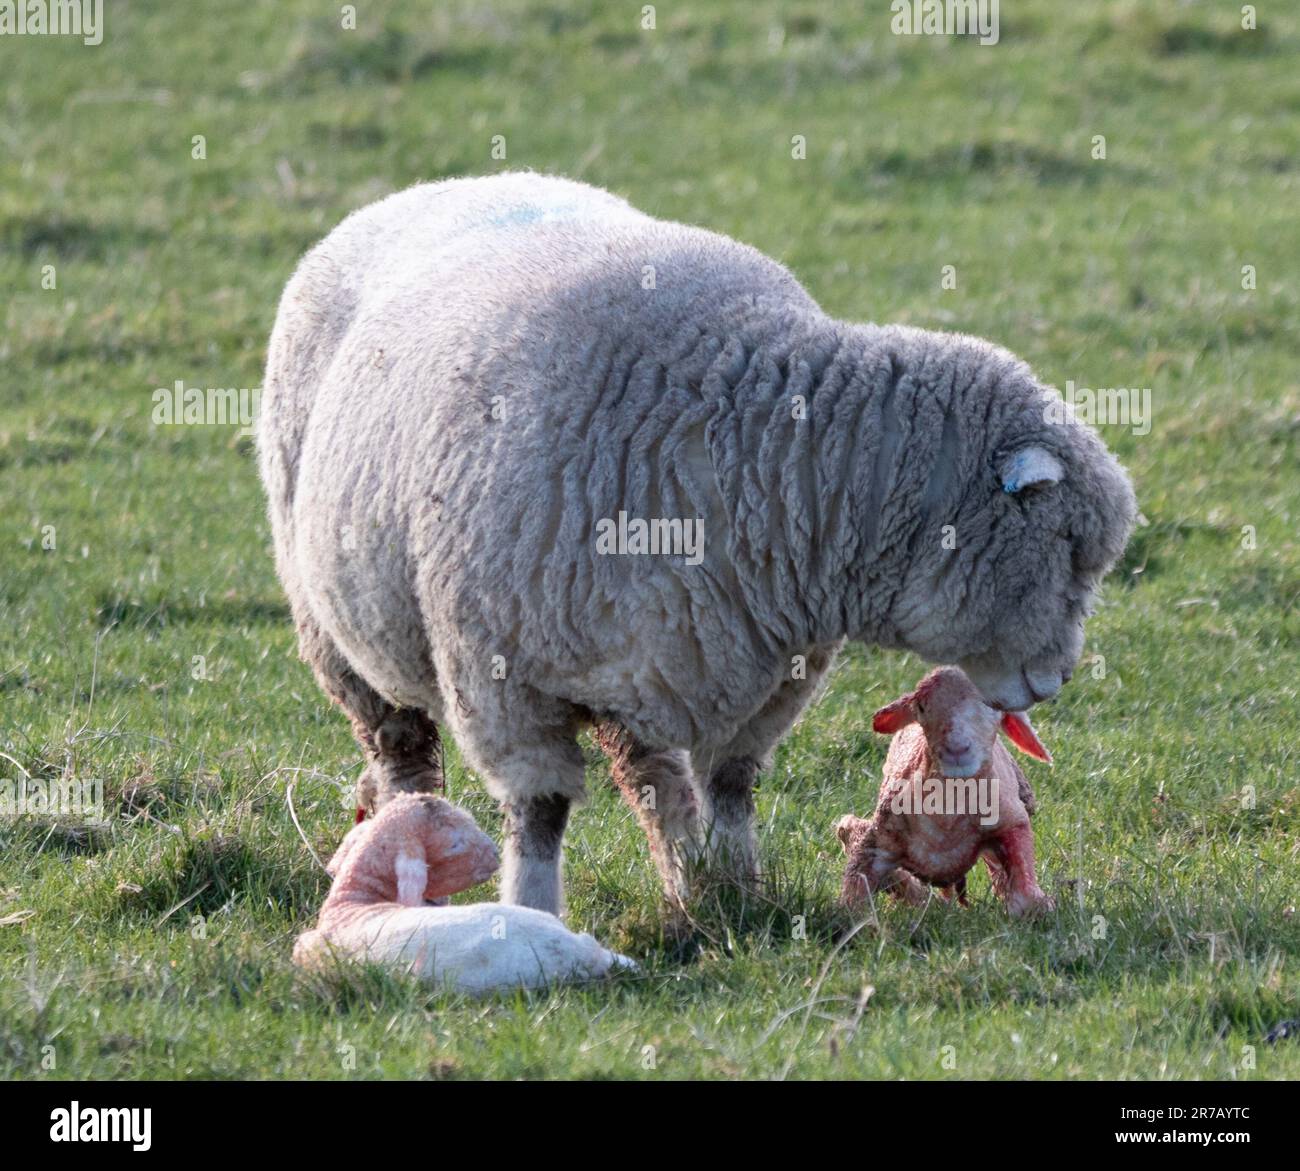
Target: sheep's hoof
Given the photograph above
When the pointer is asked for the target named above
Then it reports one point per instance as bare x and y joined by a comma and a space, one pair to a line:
732, 860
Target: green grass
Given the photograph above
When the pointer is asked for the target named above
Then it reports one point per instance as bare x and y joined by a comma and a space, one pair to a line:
158, 945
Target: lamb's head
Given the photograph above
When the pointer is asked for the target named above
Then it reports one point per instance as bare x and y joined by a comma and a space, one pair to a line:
850, 830
416, 849
959, 727
1024, 517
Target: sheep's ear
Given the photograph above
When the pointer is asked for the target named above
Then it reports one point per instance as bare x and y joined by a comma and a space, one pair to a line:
1030, 465
1021, 733
412, 872
894, 716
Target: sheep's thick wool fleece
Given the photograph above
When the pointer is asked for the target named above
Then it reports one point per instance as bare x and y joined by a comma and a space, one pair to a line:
467, 377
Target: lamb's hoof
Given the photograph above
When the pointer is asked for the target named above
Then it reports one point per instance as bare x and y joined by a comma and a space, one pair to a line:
1030, 906
853, 894
622, 963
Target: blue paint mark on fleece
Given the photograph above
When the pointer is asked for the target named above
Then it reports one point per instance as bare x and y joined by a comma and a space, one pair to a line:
529, 213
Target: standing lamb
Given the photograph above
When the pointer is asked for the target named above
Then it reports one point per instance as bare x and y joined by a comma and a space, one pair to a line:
420, 849
472, 384
930, 827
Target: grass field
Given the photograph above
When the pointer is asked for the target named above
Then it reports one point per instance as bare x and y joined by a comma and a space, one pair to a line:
134, 557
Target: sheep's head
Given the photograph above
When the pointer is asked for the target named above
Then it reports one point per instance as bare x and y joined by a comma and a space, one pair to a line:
1024, 515
1063, 515
959, 727
416, 849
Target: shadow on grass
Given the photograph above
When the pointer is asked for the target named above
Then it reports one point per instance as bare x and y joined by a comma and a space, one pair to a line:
133, 614
997, 158
780, 911
39, 452
204, 872
68, 238
1144, 557
388, 55
37, 835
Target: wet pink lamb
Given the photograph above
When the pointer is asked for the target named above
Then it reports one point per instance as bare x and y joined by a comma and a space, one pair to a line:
421, 848
930, 824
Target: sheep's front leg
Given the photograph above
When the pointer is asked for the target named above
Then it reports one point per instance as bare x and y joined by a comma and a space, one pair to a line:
726, 775
660, 788
1017, 883
731, 846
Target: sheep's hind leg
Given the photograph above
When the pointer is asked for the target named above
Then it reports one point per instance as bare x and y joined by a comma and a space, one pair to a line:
524, 747
402, 747
660, 788
531, 873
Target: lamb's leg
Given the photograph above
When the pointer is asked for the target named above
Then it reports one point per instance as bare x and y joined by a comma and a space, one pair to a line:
402, 747
531, 866
903, 885
660, 788
878, 872
1018, 884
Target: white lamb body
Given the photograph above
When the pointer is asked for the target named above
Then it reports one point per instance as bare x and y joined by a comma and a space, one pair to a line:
476, 948
418, 850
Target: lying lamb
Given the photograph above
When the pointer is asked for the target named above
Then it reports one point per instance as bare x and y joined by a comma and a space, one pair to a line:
418, 849
929, 828
477, 389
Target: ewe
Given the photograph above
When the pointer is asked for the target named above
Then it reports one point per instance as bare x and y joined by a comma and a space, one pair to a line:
469, 381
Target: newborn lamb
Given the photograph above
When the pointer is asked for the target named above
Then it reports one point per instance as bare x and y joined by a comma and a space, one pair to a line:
951, 794
420, 848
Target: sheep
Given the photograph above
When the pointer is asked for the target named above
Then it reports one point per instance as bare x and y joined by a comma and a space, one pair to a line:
926, 829
421, 849
469, 381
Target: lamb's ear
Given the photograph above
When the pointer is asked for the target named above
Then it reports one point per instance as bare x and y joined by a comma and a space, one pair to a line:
894, 716
1030, 465
412, 872
1021, 733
